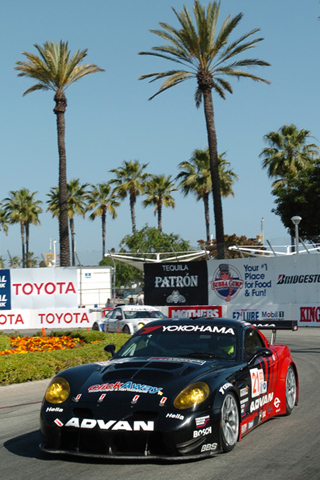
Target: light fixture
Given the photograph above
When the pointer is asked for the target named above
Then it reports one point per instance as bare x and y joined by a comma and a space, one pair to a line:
296, 220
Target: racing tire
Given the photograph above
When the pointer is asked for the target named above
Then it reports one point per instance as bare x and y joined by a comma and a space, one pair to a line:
229, 423
126, 329
95, 326
291, 390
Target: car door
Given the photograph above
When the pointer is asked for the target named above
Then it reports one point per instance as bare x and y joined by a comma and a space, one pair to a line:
260, 376
114, 320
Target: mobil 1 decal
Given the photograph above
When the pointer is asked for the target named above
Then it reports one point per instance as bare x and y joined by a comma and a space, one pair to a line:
176, 283
5, 295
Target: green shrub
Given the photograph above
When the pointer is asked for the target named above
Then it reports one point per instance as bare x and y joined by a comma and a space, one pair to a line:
19, 368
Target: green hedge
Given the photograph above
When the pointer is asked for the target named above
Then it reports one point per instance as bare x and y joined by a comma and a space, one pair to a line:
19, 368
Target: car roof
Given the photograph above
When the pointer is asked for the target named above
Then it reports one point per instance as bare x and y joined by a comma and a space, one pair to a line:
139, 307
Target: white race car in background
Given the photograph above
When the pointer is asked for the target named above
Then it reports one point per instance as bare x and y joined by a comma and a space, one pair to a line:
127, 318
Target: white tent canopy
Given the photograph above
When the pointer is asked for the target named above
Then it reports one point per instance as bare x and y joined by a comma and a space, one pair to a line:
138, 259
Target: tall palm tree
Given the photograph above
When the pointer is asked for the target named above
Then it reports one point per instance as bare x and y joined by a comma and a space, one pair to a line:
3, 221
195, 177
32, 218
130, 180
21, 207
287, 153
55, 69
76, 201
158, 190
206, 54
101, 200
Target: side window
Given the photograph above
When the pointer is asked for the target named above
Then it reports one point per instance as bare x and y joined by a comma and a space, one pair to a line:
252, 343
116, 312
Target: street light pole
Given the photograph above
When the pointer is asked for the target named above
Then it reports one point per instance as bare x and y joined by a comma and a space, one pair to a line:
296, 220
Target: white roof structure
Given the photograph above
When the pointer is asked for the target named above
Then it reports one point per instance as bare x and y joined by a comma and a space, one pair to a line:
138, 259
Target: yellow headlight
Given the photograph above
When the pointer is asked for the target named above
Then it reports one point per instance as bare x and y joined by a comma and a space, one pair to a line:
140, 325
192, 396
58, 391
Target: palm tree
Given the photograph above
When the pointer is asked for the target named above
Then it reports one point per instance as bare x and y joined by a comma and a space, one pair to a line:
130, 182
196, 178
3, 221
207, 55
76, 201
14, 262
21, 207
55, 69
31, 260
101, 200
158, 190
287, 153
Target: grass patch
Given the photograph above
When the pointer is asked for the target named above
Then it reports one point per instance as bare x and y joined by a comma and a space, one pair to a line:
19, 368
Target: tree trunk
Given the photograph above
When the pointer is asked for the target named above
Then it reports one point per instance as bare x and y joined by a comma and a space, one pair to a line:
27, 245
23, 245
133, 215
73, 248
214, 169
207, 215
160, 215
103, 226
59, 110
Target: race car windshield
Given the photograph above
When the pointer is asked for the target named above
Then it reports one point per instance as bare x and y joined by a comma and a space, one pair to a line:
189, 344
129, 314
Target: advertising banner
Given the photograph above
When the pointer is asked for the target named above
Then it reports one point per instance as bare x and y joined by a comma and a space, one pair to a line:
33, 288
195, 311
181, 283
45, 318
5, 291
277, 288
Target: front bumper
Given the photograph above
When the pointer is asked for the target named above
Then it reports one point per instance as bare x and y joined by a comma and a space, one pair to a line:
170, 439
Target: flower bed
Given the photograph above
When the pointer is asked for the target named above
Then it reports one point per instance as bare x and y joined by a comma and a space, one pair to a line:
20, 345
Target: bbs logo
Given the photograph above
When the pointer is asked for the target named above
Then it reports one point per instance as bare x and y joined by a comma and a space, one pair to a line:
209, 447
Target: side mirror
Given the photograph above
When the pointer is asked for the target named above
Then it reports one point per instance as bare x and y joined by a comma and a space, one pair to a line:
262, 352
110, 348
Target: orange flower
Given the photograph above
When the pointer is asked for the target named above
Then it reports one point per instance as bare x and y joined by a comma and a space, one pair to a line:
20, 345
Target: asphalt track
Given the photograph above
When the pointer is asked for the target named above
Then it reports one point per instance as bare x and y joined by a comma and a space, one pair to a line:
283, 448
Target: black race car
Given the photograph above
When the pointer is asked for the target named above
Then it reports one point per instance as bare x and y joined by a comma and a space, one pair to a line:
177, 389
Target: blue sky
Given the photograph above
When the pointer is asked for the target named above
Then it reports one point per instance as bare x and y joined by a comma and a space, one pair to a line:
109, 118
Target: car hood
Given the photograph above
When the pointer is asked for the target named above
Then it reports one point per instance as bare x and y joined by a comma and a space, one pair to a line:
148, 381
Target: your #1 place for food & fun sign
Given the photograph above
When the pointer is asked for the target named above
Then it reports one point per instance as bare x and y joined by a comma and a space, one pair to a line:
40, 298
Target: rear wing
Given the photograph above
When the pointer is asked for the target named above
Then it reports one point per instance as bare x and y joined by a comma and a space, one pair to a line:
274, 326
